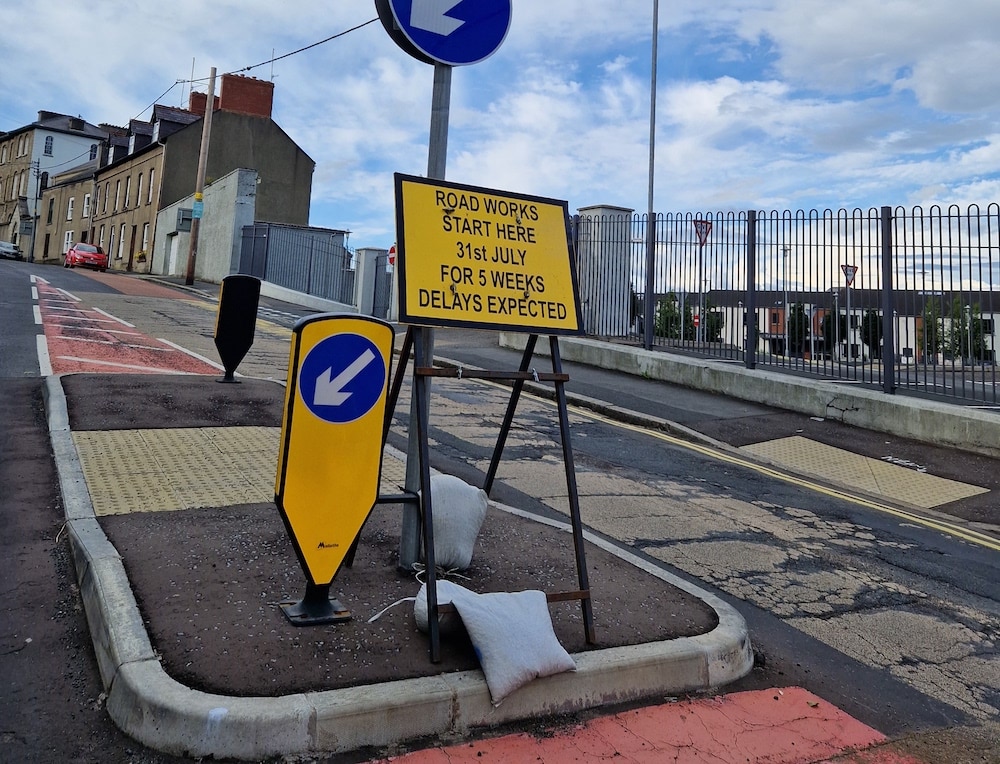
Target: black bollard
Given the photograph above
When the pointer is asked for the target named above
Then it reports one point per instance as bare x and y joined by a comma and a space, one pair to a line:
236, 321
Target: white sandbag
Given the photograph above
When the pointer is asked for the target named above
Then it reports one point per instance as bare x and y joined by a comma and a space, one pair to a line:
514, 640
511, 633
458, 510
448, 623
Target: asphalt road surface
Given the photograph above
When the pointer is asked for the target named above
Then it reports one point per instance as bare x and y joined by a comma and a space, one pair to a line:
895, 622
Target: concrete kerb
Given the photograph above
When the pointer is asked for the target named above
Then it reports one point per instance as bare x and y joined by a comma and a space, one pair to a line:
929, 421
161, 713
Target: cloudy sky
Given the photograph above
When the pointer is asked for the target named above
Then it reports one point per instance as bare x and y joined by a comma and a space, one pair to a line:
766, 104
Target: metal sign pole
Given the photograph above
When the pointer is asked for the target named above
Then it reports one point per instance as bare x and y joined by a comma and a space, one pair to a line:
423, 337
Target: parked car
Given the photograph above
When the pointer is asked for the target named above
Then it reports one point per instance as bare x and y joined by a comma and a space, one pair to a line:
86, 256
10, 250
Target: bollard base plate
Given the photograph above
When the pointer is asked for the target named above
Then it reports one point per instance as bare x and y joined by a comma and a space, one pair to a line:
316, 607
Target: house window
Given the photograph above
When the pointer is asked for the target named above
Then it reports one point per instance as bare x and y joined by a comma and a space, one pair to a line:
149, 200
97, 198
52, 209
121, 242
107, 193
774, 318
48, 145
93, 151
138, 190
3, 154
145, 237
69, 207
67, 241
111, 244
100, 239
128, 189
118, 193
86, 205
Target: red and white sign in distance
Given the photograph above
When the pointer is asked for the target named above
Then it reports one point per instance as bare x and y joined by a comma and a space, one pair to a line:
850, 271
84, 339
702, 229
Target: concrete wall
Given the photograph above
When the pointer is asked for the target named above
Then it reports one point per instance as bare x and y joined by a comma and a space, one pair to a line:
229, 205
925, 420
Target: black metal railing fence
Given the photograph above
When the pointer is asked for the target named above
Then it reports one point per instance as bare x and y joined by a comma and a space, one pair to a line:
888, 297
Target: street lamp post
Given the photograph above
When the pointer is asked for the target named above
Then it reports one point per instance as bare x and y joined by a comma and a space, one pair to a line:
836, 322
650, 286
699, 332
812, 334
968, 330
784, 280
743, 322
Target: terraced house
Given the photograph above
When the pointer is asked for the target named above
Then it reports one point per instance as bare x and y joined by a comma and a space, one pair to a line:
152, 165
29, 157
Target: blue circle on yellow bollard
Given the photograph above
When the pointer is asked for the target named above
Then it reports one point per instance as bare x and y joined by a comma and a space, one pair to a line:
342, 378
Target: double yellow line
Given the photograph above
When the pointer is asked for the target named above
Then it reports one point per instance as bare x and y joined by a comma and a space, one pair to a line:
970, 535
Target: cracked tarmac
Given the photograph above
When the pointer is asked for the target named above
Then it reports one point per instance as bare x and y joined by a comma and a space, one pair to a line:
840, 581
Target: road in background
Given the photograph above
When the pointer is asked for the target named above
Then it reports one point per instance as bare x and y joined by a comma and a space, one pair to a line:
895, 622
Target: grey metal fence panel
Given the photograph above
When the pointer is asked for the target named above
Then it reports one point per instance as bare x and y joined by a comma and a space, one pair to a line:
604, 275
311, 261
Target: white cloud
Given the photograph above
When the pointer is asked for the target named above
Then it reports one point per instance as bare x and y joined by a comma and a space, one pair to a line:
761, 103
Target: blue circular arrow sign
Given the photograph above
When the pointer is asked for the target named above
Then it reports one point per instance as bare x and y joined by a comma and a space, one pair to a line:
342, 378
453, 32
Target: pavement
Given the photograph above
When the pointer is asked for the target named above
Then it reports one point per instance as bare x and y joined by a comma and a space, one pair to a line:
198, 661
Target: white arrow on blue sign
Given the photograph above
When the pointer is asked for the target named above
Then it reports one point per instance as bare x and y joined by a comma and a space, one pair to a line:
342, 377
453, 32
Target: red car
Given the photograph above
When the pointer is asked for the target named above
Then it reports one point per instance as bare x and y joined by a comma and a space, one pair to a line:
86, 256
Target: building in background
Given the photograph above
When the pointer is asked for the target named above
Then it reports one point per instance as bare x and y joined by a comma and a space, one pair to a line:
153, 165
29, 157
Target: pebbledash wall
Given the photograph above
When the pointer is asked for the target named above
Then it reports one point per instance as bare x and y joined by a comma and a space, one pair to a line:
230, 204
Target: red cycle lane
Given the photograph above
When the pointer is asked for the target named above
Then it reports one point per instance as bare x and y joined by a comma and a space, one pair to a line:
85, 339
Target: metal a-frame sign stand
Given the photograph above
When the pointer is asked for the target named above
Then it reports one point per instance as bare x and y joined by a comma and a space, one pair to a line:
421, 374
483, 259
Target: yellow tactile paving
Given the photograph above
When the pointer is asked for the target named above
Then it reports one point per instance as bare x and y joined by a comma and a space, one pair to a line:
185, 468
873, 476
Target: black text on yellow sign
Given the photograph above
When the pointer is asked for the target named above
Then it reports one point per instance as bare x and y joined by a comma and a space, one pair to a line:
330, 453
483, 258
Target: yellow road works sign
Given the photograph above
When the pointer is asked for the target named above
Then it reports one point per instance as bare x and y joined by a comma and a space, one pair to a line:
482, 258
331, 435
